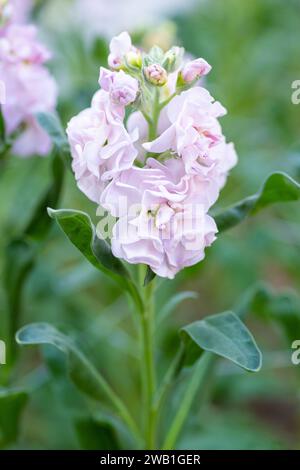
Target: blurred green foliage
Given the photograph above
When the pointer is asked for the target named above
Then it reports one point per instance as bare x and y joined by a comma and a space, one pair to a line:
254, 48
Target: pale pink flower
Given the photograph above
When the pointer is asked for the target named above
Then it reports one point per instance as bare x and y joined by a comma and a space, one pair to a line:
119, 46
33, 140
101, 147
162, 204
171, 83
194, 128
137, 122
122, 87
163, 220
14, 11
20, 10
29, 88
220, 160
19, 44
195, 69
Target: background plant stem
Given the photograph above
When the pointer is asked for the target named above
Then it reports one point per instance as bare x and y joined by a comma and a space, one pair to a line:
198, 377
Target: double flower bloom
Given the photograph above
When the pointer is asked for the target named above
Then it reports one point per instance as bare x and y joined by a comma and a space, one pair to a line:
160, 191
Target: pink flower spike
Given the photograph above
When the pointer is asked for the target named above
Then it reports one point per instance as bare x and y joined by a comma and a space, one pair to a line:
19, 44
30, 88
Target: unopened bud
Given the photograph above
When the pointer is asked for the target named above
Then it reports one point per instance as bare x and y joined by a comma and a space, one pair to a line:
134, 58
156, 74
172, 59
195, 69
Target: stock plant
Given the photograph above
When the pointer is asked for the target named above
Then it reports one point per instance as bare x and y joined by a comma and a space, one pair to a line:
150, 151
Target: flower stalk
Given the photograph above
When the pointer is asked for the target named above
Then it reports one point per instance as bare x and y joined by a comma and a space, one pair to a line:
148, 365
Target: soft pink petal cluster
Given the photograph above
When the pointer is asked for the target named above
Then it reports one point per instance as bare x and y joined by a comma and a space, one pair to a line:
162, 203
20, 10
100, 144
123, 89
163, 222
194, 70
29, 88
193, 129
120, 47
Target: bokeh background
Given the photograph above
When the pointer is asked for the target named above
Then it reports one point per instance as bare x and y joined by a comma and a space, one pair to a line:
254, 48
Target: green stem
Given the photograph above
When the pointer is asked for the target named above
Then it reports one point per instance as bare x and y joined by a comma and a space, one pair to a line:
155, 116
121, 409
116, 402
169, 378
197, 379
148, 364
167, 101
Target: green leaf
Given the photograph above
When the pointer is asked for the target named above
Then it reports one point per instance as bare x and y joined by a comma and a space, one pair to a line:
268, 305
155, 56
82, 373
12, 403
278, 187
96, 435
225, 335
52, 125
229, 430
81, 232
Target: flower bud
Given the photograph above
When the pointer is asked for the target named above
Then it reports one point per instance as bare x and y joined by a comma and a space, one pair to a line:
119, 46
172, 59
156, 74
124, 95
134, 58
194, 70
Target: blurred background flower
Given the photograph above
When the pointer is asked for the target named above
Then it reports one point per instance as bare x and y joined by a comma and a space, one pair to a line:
96, 17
